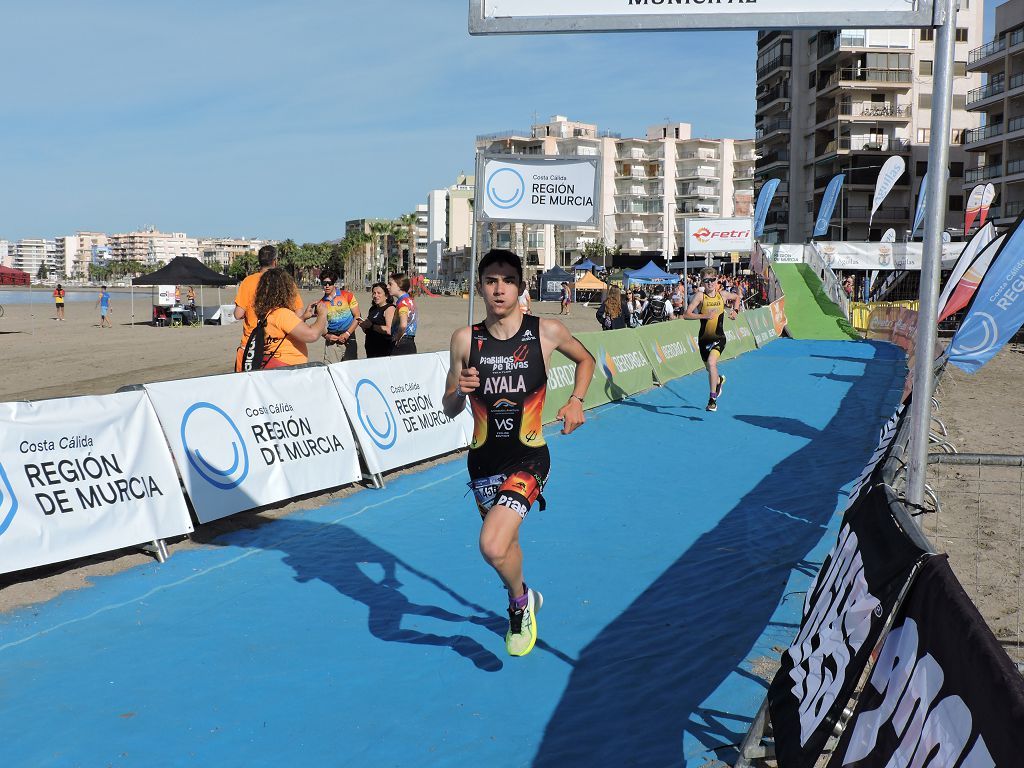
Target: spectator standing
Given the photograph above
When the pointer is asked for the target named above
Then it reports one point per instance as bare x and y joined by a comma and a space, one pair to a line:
103, 302
245, 299
285, 335
377, 324
613, 314
524, 301
342, 319
678, 299
58, 299
659, 308
405, 322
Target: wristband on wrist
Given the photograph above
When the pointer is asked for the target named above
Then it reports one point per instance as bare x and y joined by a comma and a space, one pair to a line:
459, 392
577, 397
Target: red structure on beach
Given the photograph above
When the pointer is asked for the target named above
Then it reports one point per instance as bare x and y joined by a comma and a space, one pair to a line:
9, 276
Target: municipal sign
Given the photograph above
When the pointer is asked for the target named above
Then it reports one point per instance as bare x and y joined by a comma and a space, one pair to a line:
488, 17
541, 190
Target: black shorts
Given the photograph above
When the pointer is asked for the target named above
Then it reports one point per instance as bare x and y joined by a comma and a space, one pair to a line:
60, 305
707, 347
517, 485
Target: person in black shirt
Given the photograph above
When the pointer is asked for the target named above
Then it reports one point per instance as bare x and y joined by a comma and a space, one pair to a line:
377, 323
500, 365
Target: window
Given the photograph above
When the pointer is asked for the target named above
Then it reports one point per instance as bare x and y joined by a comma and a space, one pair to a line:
959, 101
961, 34
928, 34
812, 79
957, 136
956, 203
923, 135
959, 69
924, 67
878, 98
924, 101
956, 170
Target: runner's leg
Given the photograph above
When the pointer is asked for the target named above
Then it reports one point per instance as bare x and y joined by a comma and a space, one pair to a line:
499, 545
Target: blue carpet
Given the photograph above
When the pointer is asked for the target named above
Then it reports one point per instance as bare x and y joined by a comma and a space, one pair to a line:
369, 632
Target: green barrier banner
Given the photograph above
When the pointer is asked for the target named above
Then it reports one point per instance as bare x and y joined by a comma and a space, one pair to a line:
671, 348
622, 370
761, 324
739, 338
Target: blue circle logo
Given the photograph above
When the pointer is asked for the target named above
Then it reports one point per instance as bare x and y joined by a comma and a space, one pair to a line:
203, 423
8, 501
372, 409
505, 188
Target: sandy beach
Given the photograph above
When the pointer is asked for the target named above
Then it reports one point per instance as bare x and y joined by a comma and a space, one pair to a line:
45, 358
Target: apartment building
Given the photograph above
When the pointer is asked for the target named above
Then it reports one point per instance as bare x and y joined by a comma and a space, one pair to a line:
76, 252
152, 247
31, 254
418, 249
844, 101
996, 147
449, 228
5, 253
219, 252
650, 186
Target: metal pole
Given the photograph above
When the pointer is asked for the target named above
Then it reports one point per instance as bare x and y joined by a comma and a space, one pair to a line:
476, 211
927, 330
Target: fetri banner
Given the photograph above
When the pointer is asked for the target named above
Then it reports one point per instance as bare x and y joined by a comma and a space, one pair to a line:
552, 190
84, 475
715, 235
244, 440
396, 411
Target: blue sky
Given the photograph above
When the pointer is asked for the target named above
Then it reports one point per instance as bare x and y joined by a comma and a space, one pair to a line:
274, 119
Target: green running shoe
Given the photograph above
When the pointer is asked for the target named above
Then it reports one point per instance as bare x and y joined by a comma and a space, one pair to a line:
522, 625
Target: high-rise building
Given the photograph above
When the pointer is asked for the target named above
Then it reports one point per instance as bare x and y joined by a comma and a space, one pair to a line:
218, 252
650, 186
996, 147
32, 254
844, 101
152, 247
418, 249
5, 253
76, 252
449, 229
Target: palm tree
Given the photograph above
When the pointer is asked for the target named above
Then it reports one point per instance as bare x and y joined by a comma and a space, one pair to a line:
408, 221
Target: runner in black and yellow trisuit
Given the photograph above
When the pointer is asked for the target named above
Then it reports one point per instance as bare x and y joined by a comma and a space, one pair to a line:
500, 365
709, 308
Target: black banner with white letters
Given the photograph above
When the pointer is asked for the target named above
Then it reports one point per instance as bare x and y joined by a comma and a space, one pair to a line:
844, 612
943, 692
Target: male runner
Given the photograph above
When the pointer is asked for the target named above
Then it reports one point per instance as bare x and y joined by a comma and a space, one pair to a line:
501, 366
709, 308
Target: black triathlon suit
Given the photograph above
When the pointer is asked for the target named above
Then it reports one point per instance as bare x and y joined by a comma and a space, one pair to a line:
508, 458
712, 332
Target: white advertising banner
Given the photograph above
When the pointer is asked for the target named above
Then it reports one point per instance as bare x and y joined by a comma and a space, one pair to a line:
395, 405
714, 235
882, 256
84, 475
244, 440
545, 190
165, 295
518, 16
784, 253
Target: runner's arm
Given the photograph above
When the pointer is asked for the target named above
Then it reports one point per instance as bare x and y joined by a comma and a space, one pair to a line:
571, 414
691, 311
737, 304
462, 380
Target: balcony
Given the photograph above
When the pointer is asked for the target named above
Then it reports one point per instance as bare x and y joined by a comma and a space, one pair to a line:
634, 173
900, 79
769, 95
634, 207
984, 51
1014, 167
981, 174
699, 172
776, 218
885, 213
1011, 210
975, 135
696, 190
779, 62
698, 155
770, 127
779, 156
987, 91
697, 210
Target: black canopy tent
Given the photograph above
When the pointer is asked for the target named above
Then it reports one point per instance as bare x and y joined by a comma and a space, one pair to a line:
183, 270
